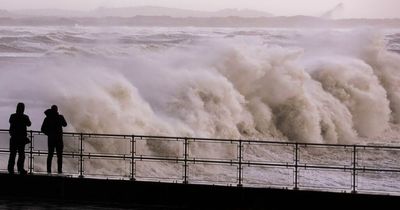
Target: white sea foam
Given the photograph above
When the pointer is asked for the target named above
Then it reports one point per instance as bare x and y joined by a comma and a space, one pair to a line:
327, 86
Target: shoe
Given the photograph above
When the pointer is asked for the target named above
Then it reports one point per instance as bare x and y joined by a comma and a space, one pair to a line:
60, 172
23, 172
11, 172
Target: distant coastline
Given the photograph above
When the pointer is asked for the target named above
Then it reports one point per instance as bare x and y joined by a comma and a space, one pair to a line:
167, 21
170, 17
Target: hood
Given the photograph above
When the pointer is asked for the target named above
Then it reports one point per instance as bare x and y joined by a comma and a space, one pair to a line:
49, 112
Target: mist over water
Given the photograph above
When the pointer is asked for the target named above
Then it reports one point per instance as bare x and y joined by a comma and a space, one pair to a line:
323, 86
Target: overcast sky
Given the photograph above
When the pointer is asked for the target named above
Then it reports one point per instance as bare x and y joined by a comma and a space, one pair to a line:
352, 8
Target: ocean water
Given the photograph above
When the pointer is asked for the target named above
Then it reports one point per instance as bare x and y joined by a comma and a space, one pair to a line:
329, 86
321, 86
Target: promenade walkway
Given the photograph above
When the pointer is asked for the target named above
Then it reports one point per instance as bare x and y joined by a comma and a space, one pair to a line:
193, 172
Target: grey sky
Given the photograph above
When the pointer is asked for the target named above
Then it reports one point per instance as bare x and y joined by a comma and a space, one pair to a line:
352, 8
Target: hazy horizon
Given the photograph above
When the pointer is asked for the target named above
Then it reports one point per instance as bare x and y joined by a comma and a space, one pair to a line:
338, 8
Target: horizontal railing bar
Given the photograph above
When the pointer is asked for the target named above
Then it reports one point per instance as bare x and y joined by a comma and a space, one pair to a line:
260, 141
127, 157
378, 170
303, 166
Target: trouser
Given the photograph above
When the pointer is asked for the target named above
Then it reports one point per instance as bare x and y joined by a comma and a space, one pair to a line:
16, 145
57, 144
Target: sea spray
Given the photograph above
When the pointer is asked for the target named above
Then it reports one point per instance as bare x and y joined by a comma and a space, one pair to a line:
308, 87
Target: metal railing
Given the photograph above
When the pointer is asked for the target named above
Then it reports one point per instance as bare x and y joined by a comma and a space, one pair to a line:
231, 162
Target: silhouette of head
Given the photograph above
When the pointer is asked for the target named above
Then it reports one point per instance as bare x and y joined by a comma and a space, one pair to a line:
20, 108
54, 108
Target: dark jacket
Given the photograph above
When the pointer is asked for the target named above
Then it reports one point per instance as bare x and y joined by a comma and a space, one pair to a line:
53, 123
18, 125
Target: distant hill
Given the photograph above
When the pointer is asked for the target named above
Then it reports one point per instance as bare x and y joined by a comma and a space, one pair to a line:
166, 21
146, 11
4, 13
240, 13
49, 12
165, 17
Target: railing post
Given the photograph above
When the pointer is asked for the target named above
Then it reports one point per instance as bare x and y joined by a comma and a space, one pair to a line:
31, 153
81, 156
296, 169
354, 170
133, 158
185, 181
240, 163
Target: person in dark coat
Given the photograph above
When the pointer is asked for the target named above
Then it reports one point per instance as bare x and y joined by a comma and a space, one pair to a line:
53, 127
19, 137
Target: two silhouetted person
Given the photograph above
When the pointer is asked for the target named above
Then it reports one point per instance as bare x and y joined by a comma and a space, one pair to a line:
19, 137
53, 127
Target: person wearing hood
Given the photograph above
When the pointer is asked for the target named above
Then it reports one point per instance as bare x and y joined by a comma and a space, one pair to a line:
52, 126
18, 132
